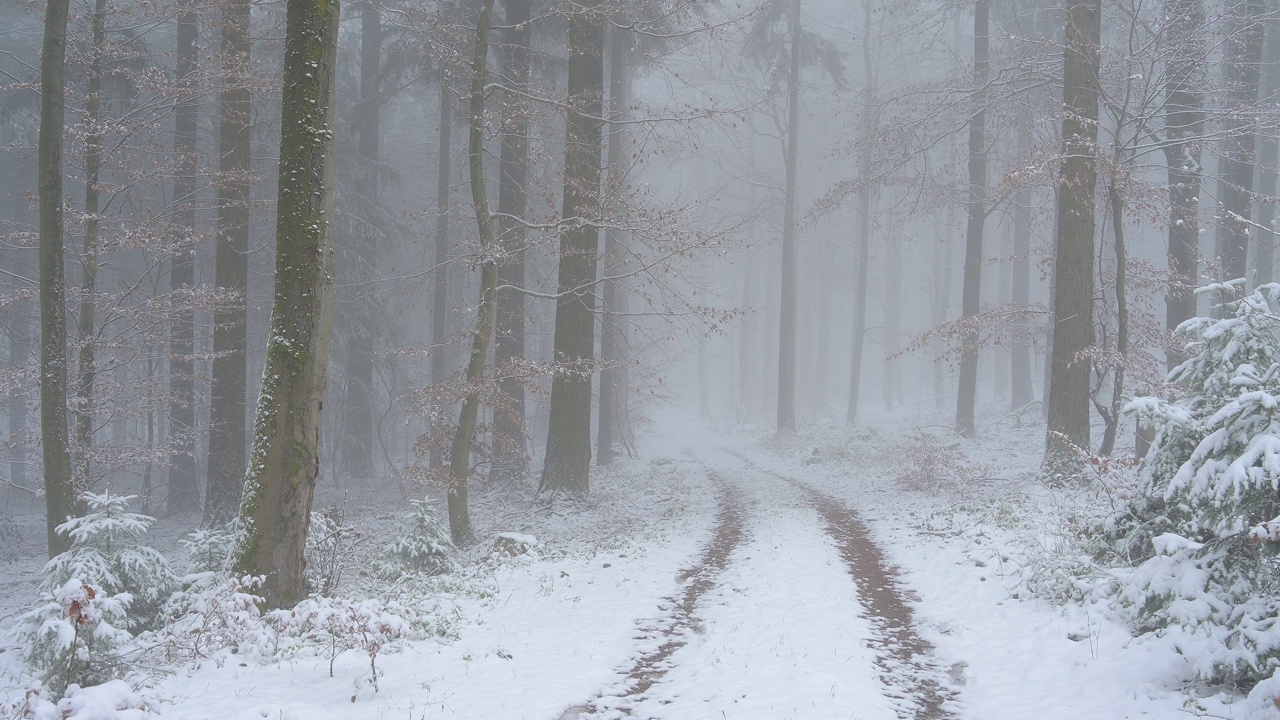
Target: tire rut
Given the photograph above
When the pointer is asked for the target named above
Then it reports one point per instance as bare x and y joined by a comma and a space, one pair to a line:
905, 659
673, 629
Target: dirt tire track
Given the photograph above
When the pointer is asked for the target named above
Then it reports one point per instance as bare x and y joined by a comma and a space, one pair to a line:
679, 621
905, 658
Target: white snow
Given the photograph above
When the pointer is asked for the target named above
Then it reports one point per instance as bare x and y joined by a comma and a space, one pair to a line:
779, 633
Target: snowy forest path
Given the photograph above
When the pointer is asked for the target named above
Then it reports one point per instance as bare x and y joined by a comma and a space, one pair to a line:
789, 611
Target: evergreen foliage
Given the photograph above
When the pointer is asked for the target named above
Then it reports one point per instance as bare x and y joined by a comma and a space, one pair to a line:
1196, 547
422, 548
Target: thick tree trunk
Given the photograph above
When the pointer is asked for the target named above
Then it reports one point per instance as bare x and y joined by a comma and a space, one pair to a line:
184, 488
619, 44
1068, 404
1242, 54
858, 341
460, 456
971, 294
568, 455
1184, 126
510, 451
59, 492
276, 510
787, 308
227, 436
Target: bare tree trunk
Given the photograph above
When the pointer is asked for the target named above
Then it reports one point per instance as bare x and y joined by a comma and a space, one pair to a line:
510, 451
568, 456
460, 456
440, 301
59, 492
970, 303
864, 230
892, 320
787, 308
227, 432
1068, 404
1184, 126
357, 438
89, 259
1112, 416
276, 510
1268, 150
619, 45
184, 488
1242, 53
1021, 392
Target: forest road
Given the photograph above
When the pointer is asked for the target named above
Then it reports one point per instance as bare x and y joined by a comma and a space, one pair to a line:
789, 611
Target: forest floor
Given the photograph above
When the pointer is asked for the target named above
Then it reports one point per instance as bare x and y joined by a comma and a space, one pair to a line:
732, 573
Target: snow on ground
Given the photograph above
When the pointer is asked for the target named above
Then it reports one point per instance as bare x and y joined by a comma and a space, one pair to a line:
778, 632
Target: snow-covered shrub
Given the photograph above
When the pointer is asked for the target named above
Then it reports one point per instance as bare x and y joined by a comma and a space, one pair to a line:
930, 466
422, 547
211, 616
1194, 552
95, 595
113, 700
331, 549
335, 625
209, 550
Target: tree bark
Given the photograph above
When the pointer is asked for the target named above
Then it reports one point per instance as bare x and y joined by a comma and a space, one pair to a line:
460, 456
184, 488
89, 259
1184, 126
970, 295
787, 307
1068, 404
619, 85
440, 299
59, 492
1021, 392
1242, 54
357, 437
858, 341
568, 455
227, 431
510, 451
1268, 160
276, 509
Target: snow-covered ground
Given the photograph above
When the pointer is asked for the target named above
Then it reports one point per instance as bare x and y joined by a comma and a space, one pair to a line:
704, 582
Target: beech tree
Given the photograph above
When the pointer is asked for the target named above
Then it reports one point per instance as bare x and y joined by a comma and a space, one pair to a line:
568, 455
275, 511
1068, 394
58, 489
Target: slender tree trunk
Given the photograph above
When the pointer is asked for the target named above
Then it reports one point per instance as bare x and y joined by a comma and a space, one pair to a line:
970, 302
864, 229
510, 451
1068, 405
89, 259
1268, 150
440, 300
1021, 392
1242, 54
1122, 318
826, 281
460, 457
227, 432
184, 488
357, 438
619, 42
745, 334
1184, 126
59, 492
276, 510
892, 320
787, 309
568, 455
